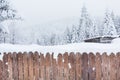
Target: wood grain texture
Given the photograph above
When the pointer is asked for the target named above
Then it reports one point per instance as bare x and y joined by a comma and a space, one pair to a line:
92, 67
98, 65
105, 66
10, 71
5, 67
20, 66
30, 66
25, 66
85, 66
78, 66
118, 66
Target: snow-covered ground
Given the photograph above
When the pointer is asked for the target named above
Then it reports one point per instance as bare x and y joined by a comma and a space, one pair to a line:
76, 47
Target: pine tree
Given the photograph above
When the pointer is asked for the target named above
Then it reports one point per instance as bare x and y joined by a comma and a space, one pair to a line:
67, 36
108, 26
85, 24
94, 32
117, 24
74, 35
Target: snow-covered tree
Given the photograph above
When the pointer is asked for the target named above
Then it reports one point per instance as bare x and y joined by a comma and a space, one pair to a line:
67, 36
117, 24
74, 34
53, 39
94, 32
108, 26
85, 24
6, 13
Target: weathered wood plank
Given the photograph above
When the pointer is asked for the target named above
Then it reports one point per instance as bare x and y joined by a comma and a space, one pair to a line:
66, 67
54, 68
113, 66
42, 67
98, 65
1, 70
85, 66
30, 66
48, 66
92, 68
118, 66
72, 60
10, 71
105, 66
20, 66
5, 67
60, 67
25, 66
15, 66
36, 65
78, 66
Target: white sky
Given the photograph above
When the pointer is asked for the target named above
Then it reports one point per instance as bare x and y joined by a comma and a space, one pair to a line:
40, 11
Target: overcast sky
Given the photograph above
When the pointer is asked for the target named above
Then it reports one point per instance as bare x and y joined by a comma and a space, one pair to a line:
40, 11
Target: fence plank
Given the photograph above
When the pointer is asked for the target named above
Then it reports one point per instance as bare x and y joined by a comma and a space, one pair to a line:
5, 67
10, 71
20, 66
30, 67
15, 66
54, 68
92, 68
85, 66
42, 67
78, 66
98, 66
66, 67
36, 65
60, 67
113, 67
72, 60
1, 70
118, 66
25, 66
48, 66
105, 66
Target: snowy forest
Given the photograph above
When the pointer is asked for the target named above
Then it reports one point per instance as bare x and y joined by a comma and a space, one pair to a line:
88, 27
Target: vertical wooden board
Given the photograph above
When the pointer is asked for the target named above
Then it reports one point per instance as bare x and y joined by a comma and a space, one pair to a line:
92, 68
5, 67
78, 66
36, 65
105, 66
113, 66
54, 70
30, 66
98, 64
118, 66
15, 66
1, 70
20, 66
60, 67
72, 60
48, 66
66, 67
42, 67
10, 71
25, 66
85, 66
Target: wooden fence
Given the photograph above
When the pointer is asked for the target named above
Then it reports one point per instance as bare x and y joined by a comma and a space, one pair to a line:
67, 66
